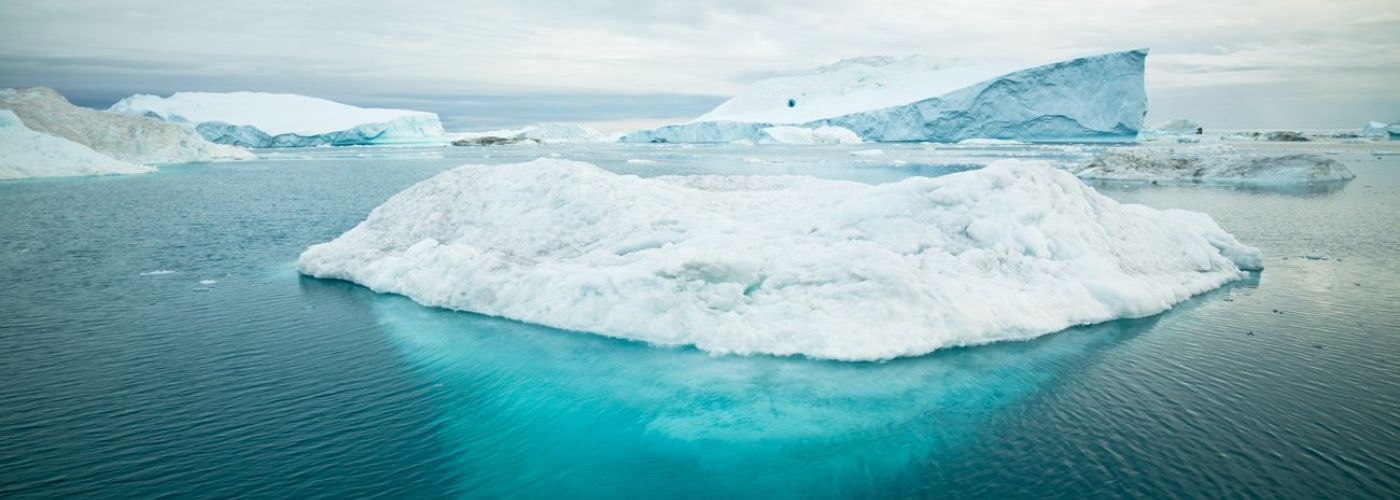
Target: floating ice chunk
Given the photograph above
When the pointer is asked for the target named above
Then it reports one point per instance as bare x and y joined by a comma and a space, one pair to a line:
208, 282
534, 134
1212, 164
158, 272
783, 265
989, 142
868, 152
26, 153
819, 135
640, 161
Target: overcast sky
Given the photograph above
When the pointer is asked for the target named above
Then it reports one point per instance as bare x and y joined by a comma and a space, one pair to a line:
481, 64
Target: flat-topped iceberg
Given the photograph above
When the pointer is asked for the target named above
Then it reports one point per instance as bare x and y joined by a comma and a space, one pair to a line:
25, 153
783, 265
131, 139
261, 120
1215, 164
1090, 99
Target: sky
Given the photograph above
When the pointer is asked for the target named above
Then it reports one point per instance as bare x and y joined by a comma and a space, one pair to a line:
630, 63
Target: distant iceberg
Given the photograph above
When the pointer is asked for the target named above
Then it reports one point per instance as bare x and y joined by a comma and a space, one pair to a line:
1216, 164
26, 153
819, 135
783, 265
553, 133
1090, 99
1382, 130
262, 120
131, 139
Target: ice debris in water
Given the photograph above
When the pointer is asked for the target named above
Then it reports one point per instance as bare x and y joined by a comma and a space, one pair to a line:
787, 265
1212, 164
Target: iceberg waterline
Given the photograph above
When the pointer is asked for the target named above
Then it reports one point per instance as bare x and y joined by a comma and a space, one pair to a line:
1090, 99
783, 265
258, 119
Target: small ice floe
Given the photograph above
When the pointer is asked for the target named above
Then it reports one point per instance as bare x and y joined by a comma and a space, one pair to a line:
868, 152
157, 272
640, 161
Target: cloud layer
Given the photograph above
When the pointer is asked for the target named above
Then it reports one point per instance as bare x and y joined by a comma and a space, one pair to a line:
1230, 63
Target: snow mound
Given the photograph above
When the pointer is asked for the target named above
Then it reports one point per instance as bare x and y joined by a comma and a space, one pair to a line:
259, 119
25, 153
131, 139
819, 135
1099, 98
1217, 164
783, 265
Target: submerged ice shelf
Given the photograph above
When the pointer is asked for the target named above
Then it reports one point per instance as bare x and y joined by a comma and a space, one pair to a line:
783, 265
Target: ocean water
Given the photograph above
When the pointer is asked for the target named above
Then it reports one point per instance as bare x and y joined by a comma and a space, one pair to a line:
158, 342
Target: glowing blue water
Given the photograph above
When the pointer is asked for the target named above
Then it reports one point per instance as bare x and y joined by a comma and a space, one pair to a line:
124, 382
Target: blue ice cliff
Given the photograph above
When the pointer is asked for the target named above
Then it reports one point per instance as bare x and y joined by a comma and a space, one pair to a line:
1089, 99
261, 120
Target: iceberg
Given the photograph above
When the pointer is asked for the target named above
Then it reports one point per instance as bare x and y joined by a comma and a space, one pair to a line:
1383, 130
1090, 99
130, 139
554, 133
26, 153
819, 135
263, 120
783, 265
1217, 164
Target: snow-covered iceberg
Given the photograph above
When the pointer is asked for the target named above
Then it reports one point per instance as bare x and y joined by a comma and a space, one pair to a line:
783, 265
25, 153
130, 139
1215, 164
550, 133
262, 120
1099, 98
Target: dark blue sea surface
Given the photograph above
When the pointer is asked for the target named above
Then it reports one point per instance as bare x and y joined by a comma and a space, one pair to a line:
156, 340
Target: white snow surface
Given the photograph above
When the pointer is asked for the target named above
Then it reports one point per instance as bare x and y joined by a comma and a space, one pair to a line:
277, 114
1216, 164
783, 265
131, 139
26, 153
807, 136
850, 86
